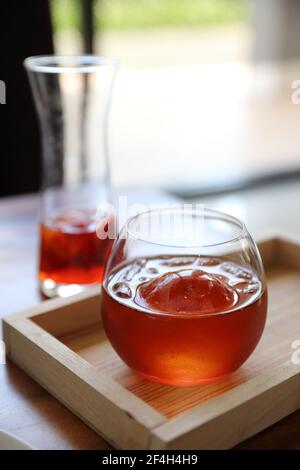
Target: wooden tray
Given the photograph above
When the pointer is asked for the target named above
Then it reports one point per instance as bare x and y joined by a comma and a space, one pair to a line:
62, 345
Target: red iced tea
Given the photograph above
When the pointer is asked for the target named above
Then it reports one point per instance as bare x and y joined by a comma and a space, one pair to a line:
183, 320
70, 251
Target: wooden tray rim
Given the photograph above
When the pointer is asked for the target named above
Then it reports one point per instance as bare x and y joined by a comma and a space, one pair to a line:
161, 431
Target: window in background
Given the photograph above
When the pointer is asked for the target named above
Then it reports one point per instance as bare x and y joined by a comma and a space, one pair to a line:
196, 108
151, 33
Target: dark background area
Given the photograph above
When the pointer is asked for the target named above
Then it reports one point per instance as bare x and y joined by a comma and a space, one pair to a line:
25, 30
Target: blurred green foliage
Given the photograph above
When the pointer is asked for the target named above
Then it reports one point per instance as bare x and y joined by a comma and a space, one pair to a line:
141, 14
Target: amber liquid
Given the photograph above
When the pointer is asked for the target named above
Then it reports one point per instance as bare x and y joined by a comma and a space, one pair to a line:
183, 320
70, 250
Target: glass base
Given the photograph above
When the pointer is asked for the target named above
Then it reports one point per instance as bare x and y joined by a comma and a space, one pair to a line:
51, 289
184, 382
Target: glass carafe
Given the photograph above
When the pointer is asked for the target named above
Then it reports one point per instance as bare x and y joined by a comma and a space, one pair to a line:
72, 97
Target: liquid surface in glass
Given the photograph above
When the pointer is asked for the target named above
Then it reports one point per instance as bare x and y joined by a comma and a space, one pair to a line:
183, 320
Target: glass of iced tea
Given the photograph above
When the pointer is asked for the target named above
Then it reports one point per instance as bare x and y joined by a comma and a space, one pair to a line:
184, 298
72, 97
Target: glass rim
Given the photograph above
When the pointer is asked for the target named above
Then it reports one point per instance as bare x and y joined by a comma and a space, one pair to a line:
213, 213
84, 63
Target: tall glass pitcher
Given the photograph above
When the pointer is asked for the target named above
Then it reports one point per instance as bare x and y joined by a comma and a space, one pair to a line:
72, 97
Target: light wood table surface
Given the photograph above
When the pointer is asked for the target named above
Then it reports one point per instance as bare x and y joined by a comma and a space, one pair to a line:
26, 409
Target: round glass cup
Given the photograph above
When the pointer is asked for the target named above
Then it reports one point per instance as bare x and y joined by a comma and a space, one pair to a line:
184, 298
